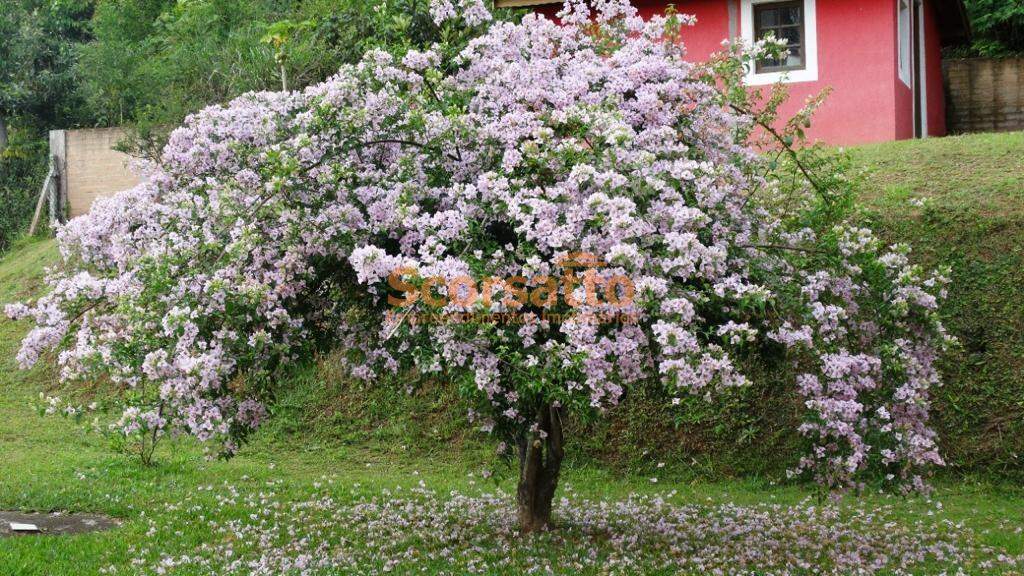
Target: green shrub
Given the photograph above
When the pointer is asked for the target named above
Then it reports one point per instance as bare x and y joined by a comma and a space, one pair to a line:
22, 170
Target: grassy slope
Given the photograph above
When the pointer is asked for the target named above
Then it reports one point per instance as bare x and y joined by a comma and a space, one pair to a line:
973, 220
50, 464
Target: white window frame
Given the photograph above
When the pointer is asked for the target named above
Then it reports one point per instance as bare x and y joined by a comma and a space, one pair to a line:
810, 70
922, 56
905, 40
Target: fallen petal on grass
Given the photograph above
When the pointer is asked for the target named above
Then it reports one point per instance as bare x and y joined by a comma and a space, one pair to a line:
400, 531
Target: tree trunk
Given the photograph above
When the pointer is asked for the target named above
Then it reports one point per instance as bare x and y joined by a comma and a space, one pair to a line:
540, 462
3, 134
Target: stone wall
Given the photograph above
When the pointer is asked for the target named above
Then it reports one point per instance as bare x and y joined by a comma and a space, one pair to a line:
984, 94
89, 166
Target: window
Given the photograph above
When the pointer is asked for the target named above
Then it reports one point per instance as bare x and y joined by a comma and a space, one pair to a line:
794, 20
904, 31
784, 21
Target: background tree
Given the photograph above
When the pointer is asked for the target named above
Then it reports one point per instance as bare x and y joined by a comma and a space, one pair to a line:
280, 35
37, 61
153, 62
997, 27
37, 93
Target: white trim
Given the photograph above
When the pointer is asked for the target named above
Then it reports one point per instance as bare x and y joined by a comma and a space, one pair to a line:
905, 41
810, 70
923, 72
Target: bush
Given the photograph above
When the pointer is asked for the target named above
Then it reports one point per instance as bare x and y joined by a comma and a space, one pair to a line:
22, 170
586, 195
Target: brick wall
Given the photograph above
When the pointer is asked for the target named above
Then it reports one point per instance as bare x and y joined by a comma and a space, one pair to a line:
90, 167
984, 95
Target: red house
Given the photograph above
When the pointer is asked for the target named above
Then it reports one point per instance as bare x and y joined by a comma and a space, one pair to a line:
882, 58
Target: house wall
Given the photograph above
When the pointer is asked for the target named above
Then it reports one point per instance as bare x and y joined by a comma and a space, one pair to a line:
857, 59
90, 168
705, 38
702, 40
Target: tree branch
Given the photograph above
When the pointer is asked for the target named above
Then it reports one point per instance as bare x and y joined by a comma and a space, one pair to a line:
783, 247
785, 145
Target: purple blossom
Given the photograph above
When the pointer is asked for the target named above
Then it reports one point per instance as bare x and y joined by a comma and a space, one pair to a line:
272, 224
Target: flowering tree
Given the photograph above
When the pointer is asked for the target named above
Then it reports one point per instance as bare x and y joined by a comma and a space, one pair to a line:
580, 183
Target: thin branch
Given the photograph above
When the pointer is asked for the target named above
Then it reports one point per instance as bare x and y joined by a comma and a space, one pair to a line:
437, 98
403, 142
783, 247
785, 146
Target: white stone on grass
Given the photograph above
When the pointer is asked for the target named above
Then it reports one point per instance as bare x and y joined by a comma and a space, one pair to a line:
19, 527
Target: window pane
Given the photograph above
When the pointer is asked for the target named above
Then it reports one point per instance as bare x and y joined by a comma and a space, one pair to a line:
791, 15
768, 17
791, 35
904, 33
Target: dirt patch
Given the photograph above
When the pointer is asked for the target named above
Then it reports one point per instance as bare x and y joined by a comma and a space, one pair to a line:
56, 523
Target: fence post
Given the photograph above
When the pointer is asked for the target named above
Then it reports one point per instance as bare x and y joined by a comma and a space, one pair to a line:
43, 194
56, 205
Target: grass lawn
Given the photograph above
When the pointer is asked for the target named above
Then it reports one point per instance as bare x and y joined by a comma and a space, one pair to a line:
983, 172
362, 507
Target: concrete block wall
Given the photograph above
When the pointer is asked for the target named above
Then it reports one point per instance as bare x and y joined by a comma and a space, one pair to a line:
984, 94
89, 166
